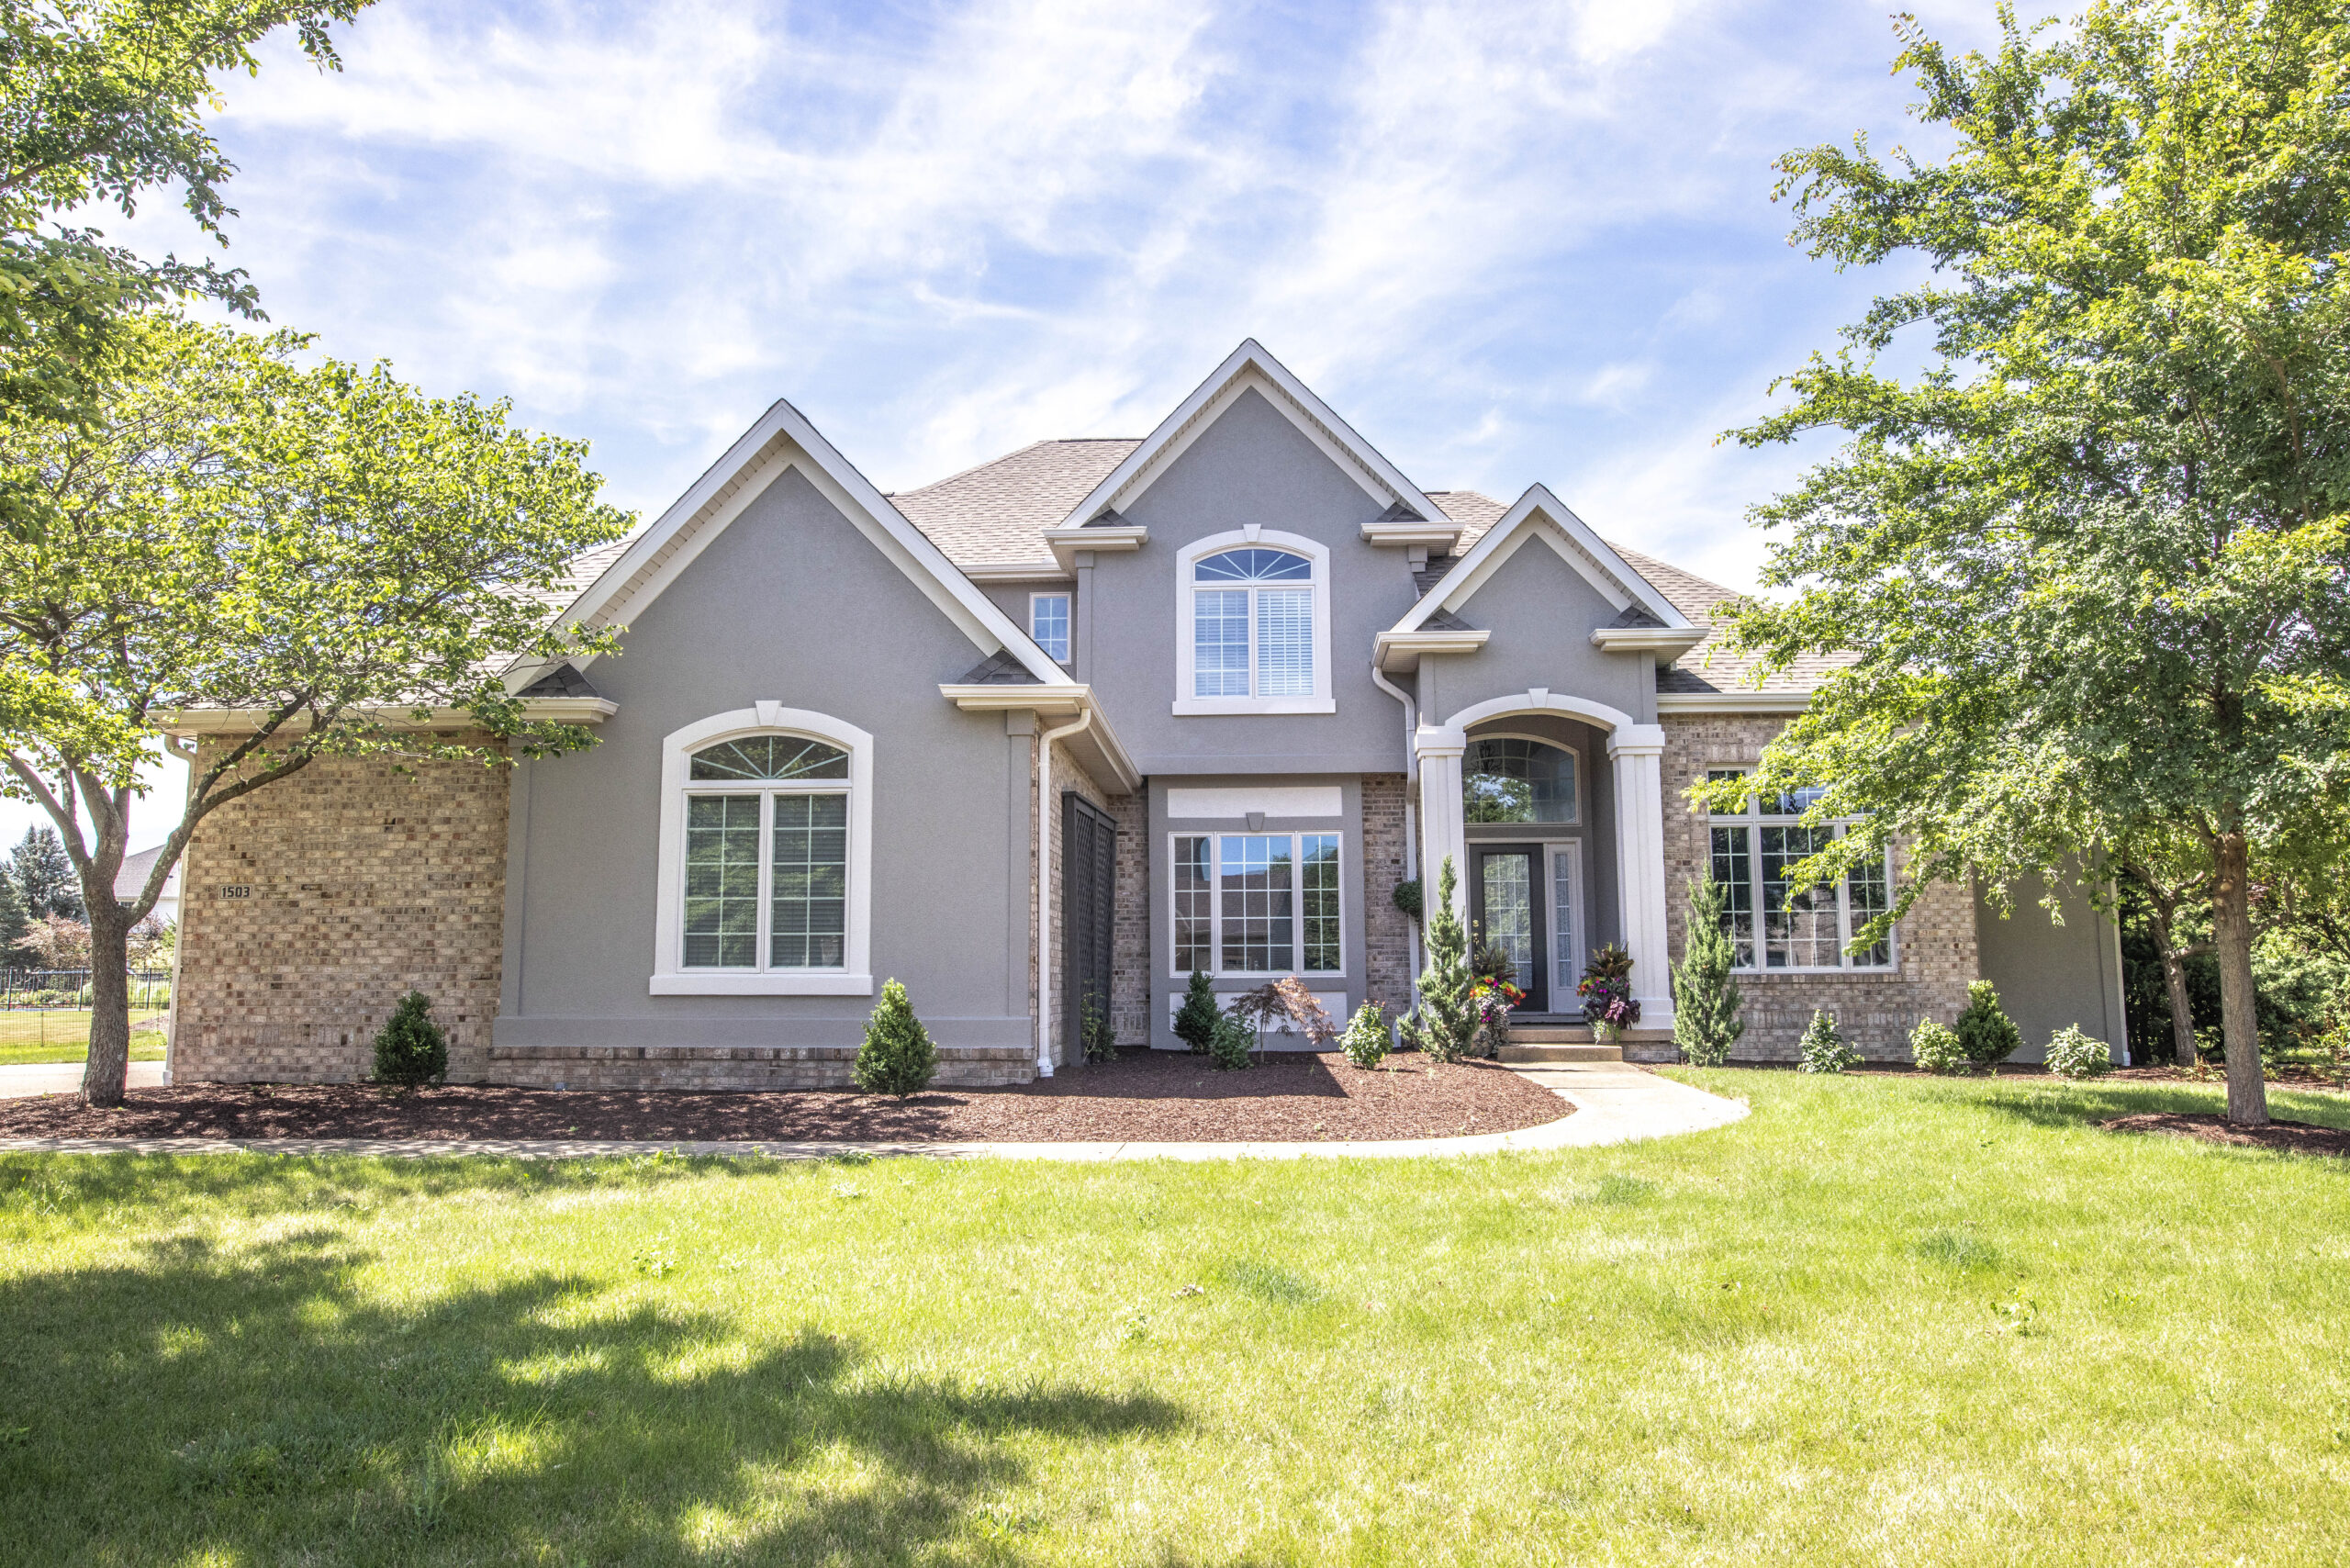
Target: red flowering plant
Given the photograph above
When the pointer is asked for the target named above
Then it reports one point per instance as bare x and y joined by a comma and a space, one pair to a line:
1493, 995
1607, 989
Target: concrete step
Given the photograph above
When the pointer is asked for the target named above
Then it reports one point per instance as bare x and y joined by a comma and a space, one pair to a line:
1583, 1052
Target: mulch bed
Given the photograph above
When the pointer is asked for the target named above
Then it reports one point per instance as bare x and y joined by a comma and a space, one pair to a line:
1145, 1096
2291, 1137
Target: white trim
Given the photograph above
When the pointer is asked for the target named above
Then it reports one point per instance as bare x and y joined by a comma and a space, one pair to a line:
1732, 701
1187, 631
244, 721
1564, 979
670, 976
1671, 641
1750, 821
1251, 366
1068, 596
1045, 571
683, 533
1537, 700
1191, 804
1297, 901
1405, 649
1107, 539
1541, 514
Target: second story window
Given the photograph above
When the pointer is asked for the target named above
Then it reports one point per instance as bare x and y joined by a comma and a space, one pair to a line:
1048, 623
1252, 624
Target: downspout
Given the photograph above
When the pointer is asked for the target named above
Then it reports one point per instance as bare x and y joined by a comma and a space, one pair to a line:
1411, 815
1043, 888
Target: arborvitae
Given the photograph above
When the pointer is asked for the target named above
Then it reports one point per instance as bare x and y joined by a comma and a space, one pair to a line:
897, 1056
1705, 1002
1195, 1020
410, 1049
1445, 1026
1986, 1033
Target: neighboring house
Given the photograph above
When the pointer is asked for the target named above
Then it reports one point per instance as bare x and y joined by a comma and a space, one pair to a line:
131, 881
1200, 701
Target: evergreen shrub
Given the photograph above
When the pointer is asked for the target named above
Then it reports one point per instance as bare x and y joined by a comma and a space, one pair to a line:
1706, 1000
1231, 1044
411, 1048
1987, 1034
897, 1056
1195, 1020
1444, 1027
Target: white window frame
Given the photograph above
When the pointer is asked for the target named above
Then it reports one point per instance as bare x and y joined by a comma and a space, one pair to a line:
1750, 823
1186, 632
1069, 623
1566, 976
1296, 897
670, 976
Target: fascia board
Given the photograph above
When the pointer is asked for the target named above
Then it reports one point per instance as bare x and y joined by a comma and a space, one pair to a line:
1732, 701
1672, 640
1411, 646
850, 493
1114, 539
1045, 571
1380, 479
1393, 534
185, 722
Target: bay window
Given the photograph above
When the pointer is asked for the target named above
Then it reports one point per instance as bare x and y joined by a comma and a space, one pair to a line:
1774, 924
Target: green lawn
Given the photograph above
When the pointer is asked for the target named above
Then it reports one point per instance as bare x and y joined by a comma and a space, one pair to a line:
1882, 1321
57, 1035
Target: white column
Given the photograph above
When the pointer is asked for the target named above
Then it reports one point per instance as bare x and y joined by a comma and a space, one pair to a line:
1638, 752
1441, 830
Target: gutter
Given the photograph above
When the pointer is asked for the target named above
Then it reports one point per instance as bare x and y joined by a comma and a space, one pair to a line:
1411, 818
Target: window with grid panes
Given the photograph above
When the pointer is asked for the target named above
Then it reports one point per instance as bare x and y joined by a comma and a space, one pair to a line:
1774, 923
1257, 903
1252, 624
767, 855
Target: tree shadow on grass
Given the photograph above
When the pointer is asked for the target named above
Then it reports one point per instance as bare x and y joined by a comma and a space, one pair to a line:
260, 1405
2056, 1105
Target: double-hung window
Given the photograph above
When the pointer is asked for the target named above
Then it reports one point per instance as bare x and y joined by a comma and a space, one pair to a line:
1774, 923
765, 856
1048, 623
1257, 903
1252, 625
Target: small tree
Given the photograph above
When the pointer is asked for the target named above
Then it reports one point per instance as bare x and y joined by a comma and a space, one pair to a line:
897, 1056
1823, 1048
60, 942
14, 927
411, 1048
1444, 1026
1986, 1033
1706, 1000
44, 877
1195, 1020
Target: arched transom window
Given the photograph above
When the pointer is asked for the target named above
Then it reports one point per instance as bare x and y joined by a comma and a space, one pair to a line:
1508, 780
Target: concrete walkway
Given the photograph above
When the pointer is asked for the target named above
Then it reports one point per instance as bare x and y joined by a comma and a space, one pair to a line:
23, 1081
1612, 1103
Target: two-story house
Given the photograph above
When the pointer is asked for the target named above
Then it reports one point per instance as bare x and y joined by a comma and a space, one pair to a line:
1048, 736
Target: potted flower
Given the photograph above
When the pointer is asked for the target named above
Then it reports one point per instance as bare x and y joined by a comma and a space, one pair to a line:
1606, 992
1493, 994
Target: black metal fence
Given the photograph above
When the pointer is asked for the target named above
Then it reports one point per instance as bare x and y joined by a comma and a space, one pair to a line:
69, 989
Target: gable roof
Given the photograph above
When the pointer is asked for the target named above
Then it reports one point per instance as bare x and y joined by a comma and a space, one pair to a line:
1538, 514
991, 518
783, 440
1250, 367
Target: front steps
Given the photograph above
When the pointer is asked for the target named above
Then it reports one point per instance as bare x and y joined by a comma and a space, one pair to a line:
1531, 1043
737, 1066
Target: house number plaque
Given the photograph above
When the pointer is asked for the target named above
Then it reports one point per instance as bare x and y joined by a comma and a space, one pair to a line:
237, 891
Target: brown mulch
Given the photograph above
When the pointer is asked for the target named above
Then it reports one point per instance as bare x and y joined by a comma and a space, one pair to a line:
1145, 1096
2287, 1075
2291, 1137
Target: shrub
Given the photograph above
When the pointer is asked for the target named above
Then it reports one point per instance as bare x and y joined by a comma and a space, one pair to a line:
1444, 1028
1823, 1048
1195, 1020
1988, 1036
1935, 1048
1606, 989
1284, 1001
1704, 999
2073, 1054
411, 1049
1094, 1032
1230, 1044
1408, 898
1365, 1041
897, 1056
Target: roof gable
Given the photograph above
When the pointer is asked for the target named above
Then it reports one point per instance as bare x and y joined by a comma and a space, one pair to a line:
1250, 367
782, 441
1539, 515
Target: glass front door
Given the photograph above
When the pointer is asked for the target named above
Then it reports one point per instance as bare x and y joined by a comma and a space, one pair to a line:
1506, 909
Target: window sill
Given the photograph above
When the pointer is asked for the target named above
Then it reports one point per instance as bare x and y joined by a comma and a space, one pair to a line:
1873, 971
1194, 707
721, 982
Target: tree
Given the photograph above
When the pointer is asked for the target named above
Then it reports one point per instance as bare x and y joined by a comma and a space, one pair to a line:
2086, 573
13, 925
897, 1056
1705, 1002
43, 875
410, 1049
1195, 1020
325, 561
99, 102
1444, 1026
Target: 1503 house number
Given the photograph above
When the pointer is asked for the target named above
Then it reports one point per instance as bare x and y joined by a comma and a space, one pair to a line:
237, 889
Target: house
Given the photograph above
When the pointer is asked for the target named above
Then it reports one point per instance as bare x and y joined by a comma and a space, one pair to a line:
130, 880
1043, 737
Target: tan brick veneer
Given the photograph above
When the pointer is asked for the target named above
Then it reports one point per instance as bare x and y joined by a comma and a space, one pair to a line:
1386, 929
1935, 944
365, 882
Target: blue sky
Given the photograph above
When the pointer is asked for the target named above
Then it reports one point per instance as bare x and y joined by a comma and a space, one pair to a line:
1508, 243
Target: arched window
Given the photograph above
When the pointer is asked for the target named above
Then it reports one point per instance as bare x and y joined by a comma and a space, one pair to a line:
1255, 614
764, 857
1507, 779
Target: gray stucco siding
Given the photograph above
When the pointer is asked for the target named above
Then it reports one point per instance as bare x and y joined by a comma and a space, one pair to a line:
2049, 975
792, 604
1541, 612
1251, 465
1166, 986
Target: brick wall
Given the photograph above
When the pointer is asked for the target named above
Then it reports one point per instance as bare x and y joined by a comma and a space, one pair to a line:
1934, 944
1130, 950
1386, 929
365, 882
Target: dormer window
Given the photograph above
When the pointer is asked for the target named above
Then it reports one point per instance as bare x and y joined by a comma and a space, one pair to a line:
1253, 626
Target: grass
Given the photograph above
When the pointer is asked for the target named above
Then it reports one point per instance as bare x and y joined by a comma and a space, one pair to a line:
1883, 1320
63, 1034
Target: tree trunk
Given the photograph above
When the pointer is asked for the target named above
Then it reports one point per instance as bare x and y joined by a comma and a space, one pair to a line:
2182, 1011
2239, 1020
110, 1064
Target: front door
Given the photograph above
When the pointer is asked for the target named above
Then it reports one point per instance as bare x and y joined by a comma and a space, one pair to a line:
1507, 899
